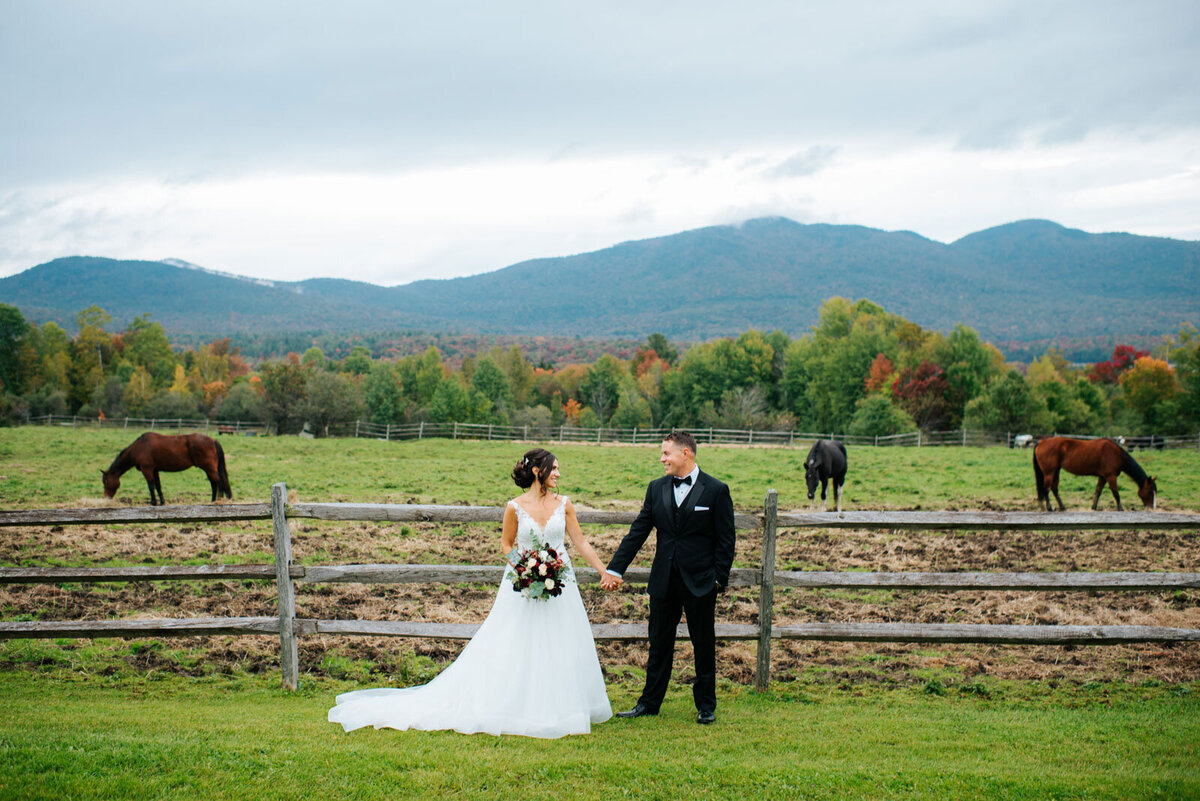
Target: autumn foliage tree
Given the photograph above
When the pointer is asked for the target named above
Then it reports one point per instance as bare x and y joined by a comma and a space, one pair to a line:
1110, 370
922, 393
1149, 388
881, 374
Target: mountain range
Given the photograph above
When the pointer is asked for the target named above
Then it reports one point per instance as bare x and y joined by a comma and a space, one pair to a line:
1021, 281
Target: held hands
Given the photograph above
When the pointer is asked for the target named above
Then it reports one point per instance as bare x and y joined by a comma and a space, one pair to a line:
610, 582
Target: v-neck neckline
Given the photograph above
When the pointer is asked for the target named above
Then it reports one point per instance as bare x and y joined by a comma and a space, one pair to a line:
540, 526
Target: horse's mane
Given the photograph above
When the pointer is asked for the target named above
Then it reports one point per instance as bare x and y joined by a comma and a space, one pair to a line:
121, 463
1132, 468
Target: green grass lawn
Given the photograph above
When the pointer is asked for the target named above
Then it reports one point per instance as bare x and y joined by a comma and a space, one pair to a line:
54, 466
241, 737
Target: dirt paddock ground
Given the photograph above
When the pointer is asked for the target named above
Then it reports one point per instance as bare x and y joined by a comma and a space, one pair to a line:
410, 660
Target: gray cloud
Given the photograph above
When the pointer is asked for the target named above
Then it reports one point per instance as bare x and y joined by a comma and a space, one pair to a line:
180, 95
804, 162
170, 89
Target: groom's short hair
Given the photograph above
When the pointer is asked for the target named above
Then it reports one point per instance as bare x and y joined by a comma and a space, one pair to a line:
682, 439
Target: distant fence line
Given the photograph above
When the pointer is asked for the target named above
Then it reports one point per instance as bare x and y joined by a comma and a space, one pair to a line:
962, 437
286, 573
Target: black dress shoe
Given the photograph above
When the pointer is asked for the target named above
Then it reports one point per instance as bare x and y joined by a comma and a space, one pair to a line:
638, 710
705, 718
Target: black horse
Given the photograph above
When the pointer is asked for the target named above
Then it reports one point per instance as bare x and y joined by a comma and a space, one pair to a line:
826, 460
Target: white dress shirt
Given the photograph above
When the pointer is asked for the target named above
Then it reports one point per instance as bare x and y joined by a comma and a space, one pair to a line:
682, 490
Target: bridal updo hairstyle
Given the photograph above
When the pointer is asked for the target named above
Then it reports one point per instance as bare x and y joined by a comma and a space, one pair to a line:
540, 458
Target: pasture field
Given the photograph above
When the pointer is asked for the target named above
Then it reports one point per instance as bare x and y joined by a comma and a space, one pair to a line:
55, 466
203, 716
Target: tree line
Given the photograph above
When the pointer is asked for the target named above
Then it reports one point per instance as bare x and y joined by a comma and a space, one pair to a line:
860, 370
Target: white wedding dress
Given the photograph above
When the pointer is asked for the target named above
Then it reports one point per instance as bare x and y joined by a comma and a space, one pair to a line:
530, 669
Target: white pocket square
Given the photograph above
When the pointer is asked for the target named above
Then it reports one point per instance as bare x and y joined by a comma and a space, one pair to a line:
701, 508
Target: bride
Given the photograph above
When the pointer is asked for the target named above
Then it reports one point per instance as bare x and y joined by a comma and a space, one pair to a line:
531, 668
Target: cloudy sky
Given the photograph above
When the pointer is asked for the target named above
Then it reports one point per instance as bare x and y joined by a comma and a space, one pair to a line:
392, 141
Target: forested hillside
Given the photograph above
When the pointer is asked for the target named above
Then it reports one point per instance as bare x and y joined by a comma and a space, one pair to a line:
1032, 280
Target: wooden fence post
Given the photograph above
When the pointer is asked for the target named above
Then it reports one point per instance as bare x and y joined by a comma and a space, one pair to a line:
766, 593
289, 658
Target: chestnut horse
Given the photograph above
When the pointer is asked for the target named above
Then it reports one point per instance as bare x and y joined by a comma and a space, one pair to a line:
152, 452
1087, 457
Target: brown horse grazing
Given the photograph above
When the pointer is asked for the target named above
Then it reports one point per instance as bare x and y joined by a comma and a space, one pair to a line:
1087, 457
152, 452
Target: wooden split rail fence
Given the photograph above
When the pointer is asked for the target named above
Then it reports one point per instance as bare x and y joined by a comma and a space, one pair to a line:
286, 573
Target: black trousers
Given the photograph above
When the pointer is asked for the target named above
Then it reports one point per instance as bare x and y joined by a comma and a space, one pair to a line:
665, 613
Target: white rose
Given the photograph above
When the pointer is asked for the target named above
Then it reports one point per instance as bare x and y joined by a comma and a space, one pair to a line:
542, 569
543, 555
549, 584
532, 562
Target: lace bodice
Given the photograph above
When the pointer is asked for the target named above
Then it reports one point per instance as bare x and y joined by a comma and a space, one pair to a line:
553, 534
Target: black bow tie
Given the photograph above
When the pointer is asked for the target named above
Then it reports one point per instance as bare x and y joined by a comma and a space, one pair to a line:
685, 480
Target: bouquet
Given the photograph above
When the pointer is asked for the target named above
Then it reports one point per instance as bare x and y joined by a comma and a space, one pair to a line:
538, 573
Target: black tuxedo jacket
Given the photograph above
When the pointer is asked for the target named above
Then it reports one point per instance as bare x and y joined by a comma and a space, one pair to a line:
700, 544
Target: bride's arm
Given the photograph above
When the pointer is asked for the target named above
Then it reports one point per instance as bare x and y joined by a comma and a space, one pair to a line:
508, 534
580, 542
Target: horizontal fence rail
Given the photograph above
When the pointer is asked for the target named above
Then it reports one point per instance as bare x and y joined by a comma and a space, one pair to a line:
489, 574
243, 427
834, 632
195, 513
963, 437
409, 513
989, 521
286, 574
60, 575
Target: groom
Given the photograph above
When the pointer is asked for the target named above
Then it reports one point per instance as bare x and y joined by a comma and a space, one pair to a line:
693, 515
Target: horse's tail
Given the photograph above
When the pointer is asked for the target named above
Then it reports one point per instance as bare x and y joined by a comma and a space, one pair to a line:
1040, 478
221, 474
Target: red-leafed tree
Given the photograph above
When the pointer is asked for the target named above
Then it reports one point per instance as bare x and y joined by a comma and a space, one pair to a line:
1109, 372
922, 393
